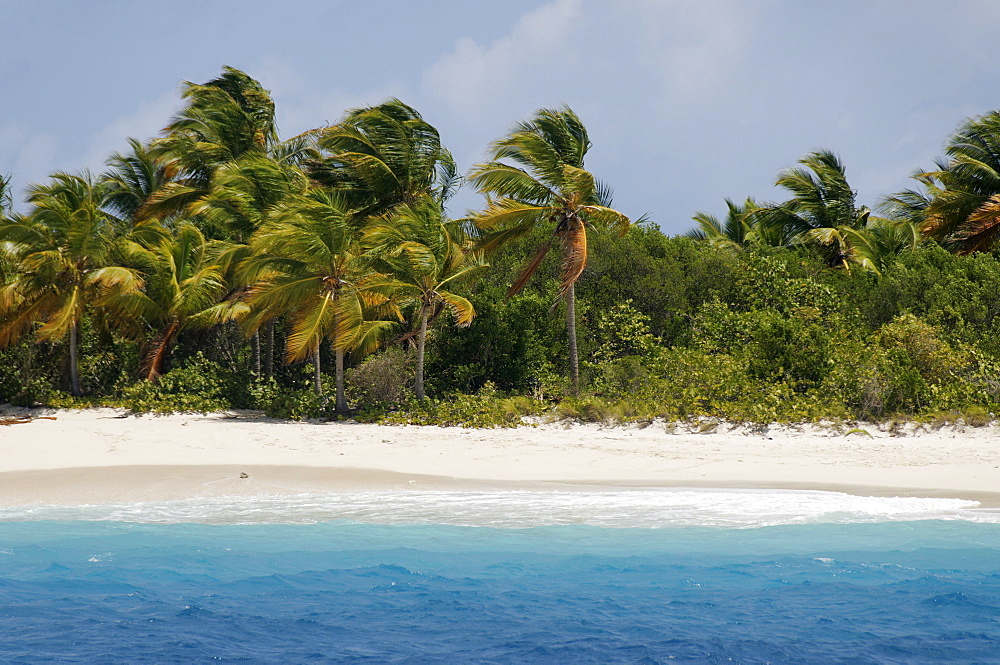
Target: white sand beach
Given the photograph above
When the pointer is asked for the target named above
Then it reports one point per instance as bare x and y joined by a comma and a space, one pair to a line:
102, 455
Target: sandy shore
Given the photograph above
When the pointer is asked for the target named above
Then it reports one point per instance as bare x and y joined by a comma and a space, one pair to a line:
100, 455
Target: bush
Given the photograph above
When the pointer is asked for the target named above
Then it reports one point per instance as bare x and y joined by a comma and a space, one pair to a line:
485, 409
195, 385
302, 404
384, 379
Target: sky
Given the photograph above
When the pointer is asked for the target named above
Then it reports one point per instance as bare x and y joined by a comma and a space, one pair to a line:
687, 102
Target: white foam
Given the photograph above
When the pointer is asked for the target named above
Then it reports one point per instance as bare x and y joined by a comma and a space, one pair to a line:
645, 508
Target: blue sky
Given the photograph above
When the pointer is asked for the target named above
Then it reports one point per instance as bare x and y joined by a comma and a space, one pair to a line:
687, 102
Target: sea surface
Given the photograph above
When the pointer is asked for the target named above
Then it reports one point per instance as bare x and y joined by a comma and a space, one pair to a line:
613, 576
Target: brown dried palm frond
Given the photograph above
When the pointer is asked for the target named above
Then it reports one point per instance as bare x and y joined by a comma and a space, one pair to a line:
529, 269
573, 237
982, 230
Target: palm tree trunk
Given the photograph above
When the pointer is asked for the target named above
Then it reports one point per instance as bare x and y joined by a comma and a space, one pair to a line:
74, 364
574, 358
161, 345
317, 381
255, 346
269, 353
421, 338
341, 404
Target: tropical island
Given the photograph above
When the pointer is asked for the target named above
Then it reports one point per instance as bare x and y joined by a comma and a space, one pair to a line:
218, 266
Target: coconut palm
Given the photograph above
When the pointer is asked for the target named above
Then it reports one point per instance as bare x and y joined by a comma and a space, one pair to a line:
822, 212
132, 178
746, 224
878, 244
7, 258
63, 253
229, 166
959, 204
911, 204
186, 281
6, 199
383, 156
427, 256
546, 185
243, 195
244, 192
225, 119
307, 265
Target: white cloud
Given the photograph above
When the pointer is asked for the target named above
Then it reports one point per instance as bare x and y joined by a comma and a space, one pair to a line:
302, 112
280, 76
472, 77
143, 123
692, 47
26, 157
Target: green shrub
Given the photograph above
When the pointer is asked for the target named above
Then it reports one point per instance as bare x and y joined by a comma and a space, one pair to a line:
917, 344
302, 404
383, 379
195, 385
485, 409
622, 331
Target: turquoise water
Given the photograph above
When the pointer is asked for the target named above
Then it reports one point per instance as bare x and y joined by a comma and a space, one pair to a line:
649, 576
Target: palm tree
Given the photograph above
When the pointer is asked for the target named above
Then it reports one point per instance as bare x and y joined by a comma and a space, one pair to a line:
63, 264
243, 195
6, 202
133, 178
307, 264
6, 199
822, 211
546, 186
878, 244
425, 254
746, 224
228, 166
960, 202
244, 192
383, 156
186, 282
224, 120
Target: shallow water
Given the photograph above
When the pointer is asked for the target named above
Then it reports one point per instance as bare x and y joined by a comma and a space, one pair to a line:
632, 576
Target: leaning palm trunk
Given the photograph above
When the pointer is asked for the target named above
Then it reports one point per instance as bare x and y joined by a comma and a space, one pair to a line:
158, 353
421, 339
74, 363
574, 358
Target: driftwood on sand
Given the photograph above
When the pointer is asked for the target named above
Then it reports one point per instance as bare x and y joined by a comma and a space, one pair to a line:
20, 420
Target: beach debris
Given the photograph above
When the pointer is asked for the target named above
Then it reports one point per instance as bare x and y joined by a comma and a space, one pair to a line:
244, 474
858, 430
20, 420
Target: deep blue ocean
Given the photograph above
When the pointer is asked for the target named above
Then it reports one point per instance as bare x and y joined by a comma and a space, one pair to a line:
626, 576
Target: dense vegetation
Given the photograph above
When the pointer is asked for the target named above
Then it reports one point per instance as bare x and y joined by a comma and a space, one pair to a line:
217, 266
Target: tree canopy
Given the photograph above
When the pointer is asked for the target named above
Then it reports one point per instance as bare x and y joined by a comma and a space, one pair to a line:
173, 277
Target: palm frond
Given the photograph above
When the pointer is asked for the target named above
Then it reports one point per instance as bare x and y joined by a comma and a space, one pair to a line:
309, 327
606, 219
982, 231
503, 180
529, 269
574, 254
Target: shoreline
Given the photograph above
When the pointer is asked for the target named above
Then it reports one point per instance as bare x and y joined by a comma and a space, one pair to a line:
99, 456
156, 484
